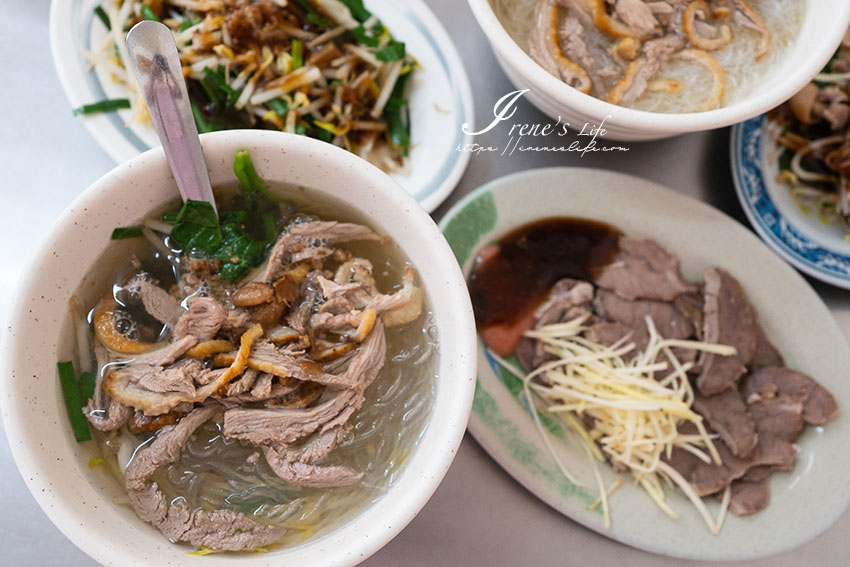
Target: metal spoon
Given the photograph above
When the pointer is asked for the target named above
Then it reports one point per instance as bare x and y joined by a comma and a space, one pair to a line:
153, 55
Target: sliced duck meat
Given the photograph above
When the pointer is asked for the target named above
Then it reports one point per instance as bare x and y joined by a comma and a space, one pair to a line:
691, 305
818, 404
567, 300
179, 377
274, 427
219, 529
637, 16
745, 16
140, 422
765, 353
682, 461
749, 497
129, 386
167, 354
609, 334
544, 46
159, 304
644, 270
669, 322
782, 416
654, 57
303, 474
729, 320
728, 416
310, 240
267, 357
203, 319
109, 419
770, 450
758, 474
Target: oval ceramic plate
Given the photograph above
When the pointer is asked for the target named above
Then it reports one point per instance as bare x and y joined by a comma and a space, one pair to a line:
805, 501
817, 249
440, 95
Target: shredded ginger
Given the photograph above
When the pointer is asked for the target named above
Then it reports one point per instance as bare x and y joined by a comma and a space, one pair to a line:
625, 411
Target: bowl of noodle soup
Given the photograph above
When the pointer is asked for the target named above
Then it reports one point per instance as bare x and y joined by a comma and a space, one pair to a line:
702, 83
403, 439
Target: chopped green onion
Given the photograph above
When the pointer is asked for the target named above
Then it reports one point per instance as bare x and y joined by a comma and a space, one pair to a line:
148, 13
297, 54
73, 401
86, 385
123, 232
392, 52
279, 106
397, 115
108, 105
101, 14
247, 174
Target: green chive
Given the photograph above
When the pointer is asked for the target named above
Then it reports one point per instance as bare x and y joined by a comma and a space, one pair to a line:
279, 106
73, 401
247, 174
108, 105
101, 13
297, 54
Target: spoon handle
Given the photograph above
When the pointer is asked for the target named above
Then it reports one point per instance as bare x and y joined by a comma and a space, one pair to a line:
153, 55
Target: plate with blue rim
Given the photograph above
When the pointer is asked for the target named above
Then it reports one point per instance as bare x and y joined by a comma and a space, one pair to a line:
816, 248
805, 501
439, 92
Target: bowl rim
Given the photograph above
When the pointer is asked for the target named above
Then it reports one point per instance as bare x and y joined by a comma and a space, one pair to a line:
647, 122
425, 467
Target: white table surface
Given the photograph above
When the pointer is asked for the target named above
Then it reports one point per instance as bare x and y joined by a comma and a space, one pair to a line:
479, 516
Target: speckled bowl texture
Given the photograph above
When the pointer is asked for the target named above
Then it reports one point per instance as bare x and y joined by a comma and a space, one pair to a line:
40, 332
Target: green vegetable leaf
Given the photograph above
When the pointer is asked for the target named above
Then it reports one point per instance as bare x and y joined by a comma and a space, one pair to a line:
86, 385
357, 9
197, 227
107, 105
392, 52
315, 17
202, 123
101, 14
363, 37
169, 217
148, 13
73, 401
188, 23
279, 106
123, 232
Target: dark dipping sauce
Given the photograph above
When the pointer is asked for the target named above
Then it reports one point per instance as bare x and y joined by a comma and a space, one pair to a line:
512, 277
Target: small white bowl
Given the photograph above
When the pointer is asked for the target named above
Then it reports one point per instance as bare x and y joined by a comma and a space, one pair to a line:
824, 25
55, 468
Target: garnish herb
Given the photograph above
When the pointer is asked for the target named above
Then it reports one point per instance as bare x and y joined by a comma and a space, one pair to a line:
148, 13
397, 115
107, 105
73, 401
123, 232
101, 14
392, 52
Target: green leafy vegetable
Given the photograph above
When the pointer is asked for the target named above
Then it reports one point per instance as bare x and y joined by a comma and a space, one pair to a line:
197, 227
247, 174
202, 123
86, 385
107, 105
315, 17
297, 54
364, 37
123, 232
357, 9
169, 217
397, 115
73, 401
101, 14
148, 13
279, 106
392, 52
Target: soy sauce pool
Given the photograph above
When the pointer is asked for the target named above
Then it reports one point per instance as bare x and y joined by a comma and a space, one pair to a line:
512, 277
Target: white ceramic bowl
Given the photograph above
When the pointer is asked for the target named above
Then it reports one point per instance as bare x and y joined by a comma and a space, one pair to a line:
823, 27
56, 469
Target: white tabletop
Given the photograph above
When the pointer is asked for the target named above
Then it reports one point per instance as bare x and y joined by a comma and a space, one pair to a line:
479, 516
